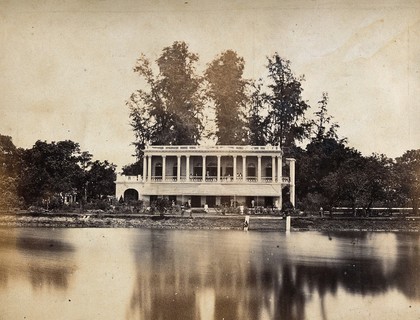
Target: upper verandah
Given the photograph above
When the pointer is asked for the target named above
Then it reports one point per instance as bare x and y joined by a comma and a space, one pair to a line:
216, 149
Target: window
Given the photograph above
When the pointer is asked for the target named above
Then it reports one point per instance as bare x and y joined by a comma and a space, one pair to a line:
158, 169
268, 171
251, 170
198, 170
211, 169
229, 171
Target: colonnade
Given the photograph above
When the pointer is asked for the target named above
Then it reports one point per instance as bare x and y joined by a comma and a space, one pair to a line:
238, 175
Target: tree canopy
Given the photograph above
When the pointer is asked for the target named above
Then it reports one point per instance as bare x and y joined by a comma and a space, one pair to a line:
10, 164
322, 128
49, 171
407, 176
169, 111
285, 122
227, 89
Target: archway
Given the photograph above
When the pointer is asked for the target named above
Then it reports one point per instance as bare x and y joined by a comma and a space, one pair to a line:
131, 195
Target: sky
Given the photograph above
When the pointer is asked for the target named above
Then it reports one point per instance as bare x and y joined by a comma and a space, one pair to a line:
67, 66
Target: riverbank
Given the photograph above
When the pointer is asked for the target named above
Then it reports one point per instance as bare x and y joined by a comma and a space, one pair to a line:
208, 222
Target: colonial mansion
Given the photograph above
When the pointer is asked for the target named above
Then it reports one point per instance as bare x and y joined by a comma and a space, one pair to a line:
212, 175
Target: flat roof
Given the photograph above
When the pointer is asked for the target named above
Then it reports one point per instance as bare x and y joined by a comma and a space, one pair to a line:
212, 148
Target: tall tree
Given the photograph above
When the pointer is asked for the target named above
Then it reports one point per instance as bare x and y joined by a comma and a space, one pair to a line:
257, 122
169, 111
322, 128
286, 123
227, 89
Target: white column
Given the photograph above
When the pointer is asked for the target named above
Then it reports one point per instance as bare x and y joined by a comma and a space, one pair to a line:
259, 169
244, 168
273, 169
149, 168
292, 179
218, 168
163, 168
187, 169
144, 168
178, 168
234, 168
204, 168
280, 180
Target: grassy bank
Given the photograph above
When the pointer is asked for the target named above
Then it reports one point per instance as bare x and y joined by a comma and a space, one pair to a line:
234, 222
411, 224
208, 222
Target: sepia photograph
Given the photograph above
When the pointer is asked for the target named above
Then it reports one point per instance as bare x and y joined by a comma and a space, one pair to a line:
210, 160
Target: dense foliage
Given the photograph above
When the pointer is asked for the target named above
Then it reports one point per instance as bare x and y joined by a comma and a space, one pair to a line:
48, 172
407, 178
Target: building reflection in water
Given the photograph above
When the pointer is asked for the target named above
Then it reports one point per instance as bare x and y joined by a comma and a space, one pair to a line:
232, 275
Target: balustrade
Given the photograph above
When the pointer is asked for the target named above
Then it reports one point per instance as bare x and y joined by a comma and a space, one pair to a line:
217, 147
123, 178
212, 179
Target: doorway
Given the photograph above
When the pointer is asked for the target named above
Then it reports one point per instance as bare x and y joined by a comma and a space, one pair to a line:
211, 201
196, 201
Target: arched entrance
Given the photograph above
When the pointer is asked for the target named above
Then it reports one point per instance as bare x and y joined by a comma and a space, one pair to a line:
131, 195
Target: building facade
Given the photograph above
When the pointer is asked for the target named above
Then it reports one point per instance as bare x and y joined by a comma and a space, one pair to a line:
212, 175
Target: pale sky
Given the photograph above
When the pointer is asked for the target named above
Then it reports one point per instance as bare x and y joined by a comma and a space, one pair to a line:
66, 66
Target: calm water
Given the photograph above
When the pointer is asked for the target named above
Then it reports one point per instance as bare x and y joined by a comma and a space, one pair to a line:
146, 274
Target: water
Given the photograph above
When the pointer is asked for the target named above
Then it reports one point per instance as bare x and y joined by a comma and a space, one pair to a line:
154, 274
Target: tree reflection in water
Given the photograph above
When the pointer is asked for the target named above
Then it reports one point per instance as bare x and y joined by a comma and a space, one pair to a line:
38, 256
187, 276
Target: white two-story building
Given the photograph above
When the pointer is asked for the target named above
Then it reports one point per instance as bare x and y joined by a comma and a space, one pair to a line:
212, 175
